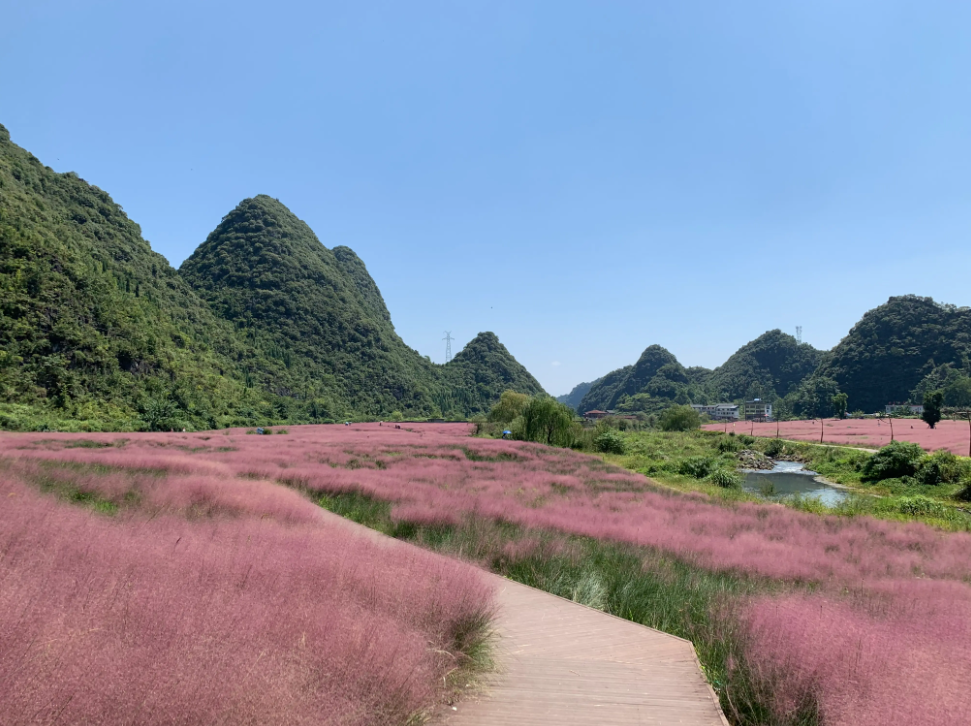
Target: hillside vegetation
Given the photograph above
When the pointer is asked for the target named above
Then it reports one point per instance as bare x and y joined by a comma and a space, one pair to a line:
575, 396
94, 325
655, 381
895, 346
771, 365
263, 324
317, 315
898, 352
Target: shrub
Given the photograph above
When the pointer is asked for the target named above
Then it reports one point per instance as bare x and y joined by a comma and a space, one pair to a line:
610, 443
746, 440
774, 447
895, 460
726, 478
941, 467
729, 444
697, 467
924, 506
680, 418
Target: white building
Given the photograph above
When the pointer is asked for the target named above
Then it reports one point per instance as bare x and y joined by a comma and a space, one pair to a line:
718, 412
756, 409
916, 408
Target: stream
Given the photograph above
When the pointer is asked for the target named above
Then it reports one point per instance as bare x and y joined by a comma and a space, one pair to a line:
790, 477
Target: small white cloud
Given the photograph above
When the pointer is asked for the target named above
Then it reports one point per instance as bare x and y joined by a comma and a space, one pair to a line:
556, 363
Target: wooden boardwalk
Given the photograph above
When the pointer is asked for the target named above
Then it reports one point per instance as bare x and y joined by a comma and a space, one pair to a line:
564, 664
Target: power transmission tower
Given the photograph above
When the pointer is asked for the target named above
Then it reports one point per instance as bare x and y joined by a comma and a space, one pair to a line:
798, 333
448, 345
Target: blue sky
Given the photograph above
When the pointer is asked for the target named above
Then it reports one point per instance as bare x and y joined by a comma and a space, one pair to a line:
584, 179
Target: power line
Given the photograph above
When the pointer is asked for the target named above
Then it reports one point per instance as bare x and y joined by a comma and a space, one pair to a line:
448, 345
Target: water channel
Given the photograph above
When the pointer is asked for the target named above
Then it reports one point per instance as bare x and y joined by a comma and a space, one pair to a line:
790, 477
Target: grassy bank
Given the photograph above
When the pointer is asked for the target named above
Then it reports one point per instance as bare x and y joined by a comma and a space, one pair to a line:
675, 459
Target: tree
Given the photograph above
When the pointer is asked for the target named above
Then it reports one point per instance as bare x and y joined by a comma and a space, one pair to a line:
509, 406
680, 418
546, 421
958, 392
160, 415
839, 405
933, 403
814, 397
782, 410
637, 402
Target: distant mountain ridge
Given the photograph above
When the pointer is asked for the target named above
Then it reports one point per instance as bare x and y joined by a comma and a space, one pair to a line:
897, 351
262, 323
574, 397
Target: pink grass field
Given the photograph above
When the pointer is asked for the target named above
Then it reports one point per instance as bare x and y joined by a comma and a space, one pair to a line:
232, 602
887, 595
865, 433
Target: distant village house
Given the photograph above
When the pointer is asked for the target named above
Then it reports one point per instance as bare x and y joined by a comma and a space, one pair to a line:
914, 408
756, 410
718, 412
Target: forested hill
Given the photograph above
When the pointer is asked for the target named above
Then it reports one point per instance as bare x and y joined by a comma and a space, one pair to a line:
320, 314
896, 346
94, 325
97, 331
771, 365
480, 370
574, 397
317, 312
655, 381
896, 353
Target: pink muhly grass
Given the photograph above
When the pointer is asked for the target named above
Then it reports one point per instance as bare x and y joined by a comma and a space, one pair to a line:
898, 660
866, 433
906, 583
430, 470
168, 621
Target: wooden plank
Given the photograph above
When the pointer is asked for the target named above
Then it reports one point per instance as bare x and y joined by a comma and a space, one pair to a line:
566, 664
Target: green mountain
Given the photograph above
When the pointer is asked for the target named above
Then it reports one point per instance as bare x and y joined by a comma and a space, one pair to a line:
315, 310
94, 325
475, 378
894, 347
321, 314
657, 377
264, 324
771, 365
574, 397
896, 353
